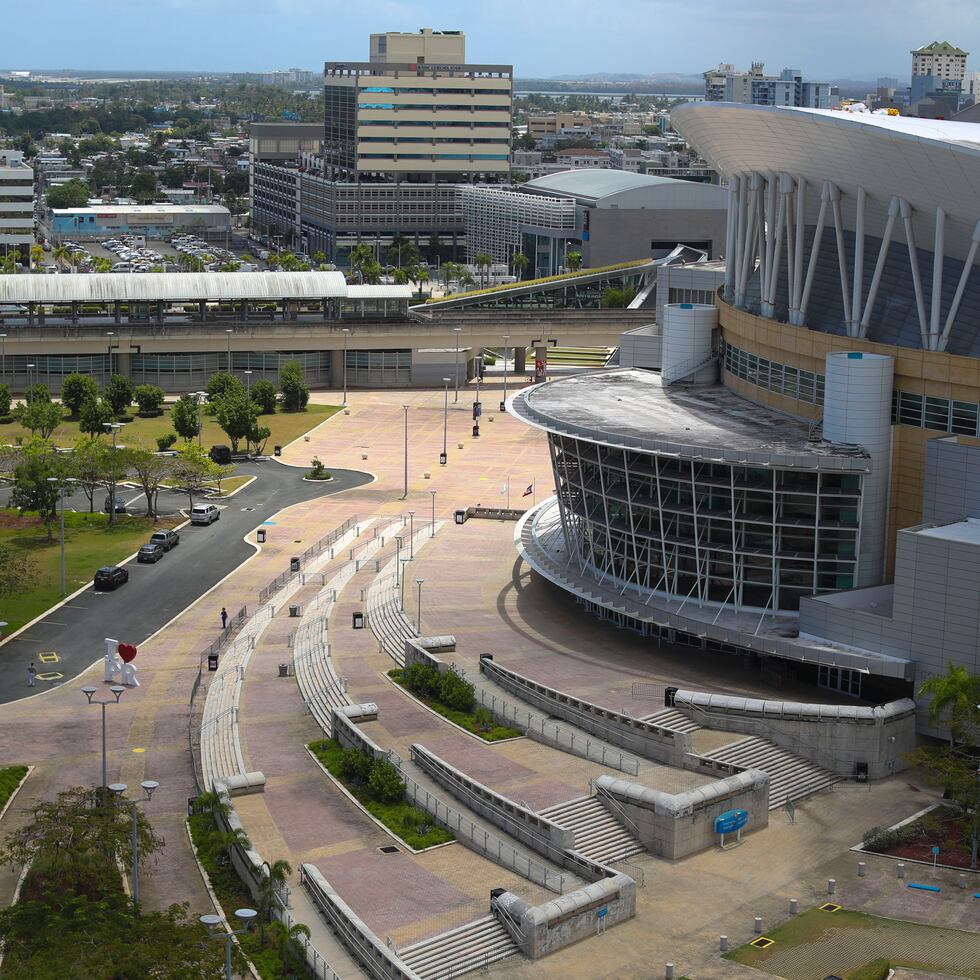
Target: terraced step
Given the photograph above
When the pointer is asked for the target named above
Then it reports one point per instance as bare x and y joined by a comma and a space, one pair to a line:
673, 719
598, 834
473, 946
790, 776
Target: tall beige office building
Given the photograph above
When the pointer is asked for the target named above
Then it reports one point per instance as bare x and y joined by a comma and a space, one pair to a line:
417, 111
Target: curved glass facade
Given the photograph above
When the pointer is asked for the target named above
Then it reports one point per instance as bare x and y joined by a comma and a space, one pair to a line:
747, 536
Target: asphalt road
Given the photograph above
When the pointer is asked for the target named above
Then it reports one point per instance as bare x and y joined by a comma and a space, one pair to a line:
156, 593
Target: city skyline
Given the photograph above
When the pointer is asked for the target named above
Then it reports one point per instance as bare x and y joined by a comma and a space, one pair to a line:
831, 41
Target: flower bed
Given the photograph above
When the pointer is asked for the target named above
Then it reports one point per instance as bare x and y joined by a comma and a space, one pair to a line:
914, 841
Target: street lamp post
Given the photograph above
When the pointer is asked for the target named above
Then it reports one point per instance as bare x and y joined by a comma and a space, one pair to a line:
444, 455
90, 692
148, 786
3, 355
30, 383
411, 535
248, 383
503, 404
403, 564
228, 334
418, 627
456, 331
110, 334
432, 526
61, 499
346, 333
112, 427
405, 495
213, 923
199, 397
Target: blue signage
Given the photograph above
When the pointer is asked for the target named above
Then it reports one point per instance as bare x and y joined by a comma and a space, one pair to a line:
603, 912
730, 821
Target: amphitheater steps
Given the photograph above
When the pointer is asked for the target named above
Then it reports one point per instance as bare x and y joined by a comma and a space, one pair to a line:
473, 946
598, 834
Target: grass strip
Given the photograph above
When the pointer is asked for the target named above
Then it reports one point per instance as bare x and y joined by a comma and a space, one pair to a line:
10, 778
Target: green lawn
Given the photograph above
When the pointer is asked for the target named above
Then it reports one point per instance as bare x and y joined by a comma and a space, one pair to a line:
10, 778
90, 542
465, 719
412, 825
285, 426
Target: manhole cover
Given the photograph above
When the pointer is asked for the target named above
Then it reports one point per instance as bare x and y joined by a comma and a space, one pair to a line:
763, 942
829, 907
388, 849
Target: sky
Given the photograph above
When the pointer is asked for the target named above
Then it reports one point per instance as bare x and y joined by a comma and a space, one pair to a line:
541, 38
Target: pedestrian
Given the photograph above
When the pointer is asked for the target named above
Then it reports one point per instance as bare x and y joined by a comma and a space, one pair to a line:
32, 675
224, 618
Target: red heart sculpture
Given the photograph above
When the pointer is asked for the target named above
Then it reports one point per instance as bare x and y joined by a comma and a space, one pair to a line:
127, 652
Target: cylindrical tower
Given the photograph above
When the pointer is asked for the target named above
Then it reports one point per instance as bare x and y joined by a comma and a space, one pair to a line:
858, 410
687, 331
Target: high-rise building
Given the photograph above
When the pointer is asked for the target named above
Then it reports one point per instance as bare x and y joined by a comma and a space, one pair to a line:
16, 203
401, 133
754, 87
937, 67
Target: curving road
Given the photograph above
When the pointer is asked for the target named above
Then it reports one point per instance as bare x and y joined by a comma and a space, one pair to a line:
157, 593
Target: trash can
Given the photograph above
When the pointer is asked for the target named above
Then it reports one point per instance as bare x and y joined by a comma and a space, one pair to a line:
357, 620
260, 535
861, 772
476, 431
669, 693
443, 459
460, 516
294, 612
284, 670
277, 450
212, 662
294, 564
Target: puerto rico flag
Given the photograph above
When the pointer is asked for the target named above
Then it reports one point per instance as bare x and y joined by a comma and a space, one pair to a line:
528, 491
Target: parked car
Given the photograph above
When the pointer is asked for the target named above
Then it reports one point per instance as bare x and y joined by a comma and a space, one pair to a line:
110, 577
205, 514
150, 553
166, 539
120, 505
220, 454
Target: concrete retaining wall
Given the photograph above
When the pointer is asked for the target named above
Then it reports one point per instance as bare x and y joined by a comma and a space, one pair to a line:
376, 958
650, 741
837, 737
674, 826
421, 650
564, 920
343, 724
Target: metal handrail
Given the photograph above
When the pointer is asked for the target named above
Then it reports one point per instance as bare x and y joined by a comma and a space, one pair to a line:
618, 809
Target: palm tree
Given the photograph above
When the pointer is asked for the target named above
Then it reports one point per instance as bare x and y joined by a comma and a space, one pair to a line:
483, 262
60, 254
37, 256
358, 257
955, 699
287, 942
519, 263
276, 876
319, 258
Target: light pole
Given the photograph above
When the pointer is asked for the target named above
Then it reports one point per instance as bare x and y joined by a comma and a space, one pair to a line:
346, 332
112, 427
213, 923
403, 563
3, 355
148, 786
61, 499
444, 455
456, 331
405, 494
418, 627
199, 397
503, 404
110, 334
228, 334
248, 383
411, 535
30, 382
432, 526
89, 692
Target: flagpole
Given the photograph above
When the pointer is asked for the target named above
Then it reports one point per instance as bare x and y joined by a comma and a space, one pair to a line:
508, 491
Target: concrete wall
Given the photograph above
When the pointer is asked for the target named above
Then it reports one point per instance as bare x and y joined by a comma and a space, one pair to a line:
343, 724
641, 348
564, 920
952, 481
836, 737
649, 741
674, 826
421, 650
618, 235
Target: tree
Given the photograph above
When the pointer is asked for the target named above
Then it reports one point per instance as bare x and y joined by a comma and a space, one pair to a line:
116, 467
149, 398
86, 464
150, 470
418, 273
31, 490
257, 437
287, 942
193, 469
238, 417
222, 383
118, 393
71, 194
483, 262
573, 261
37, 256
144, 186
185, 418
41, 417
272, 884
617, 297
295, 391
264, 395
955, 696
93, 416
37, 393
4, 400
519, 263
77, 389
18, 571
384, 783
319, 258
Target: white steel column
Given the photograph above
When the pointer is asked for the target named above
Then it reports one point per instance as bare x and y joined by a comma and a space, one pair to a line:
841, 254
790, 232
886, 238
937, 279
767, 251
905, 209
740, 236
853, 323
769, 298
814, 253
731, 230
794, 303
960, 287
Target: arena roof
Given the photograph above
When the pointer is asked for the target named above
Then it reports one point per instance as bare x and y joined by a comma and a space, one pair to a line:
175, 286
620, 188
634, 408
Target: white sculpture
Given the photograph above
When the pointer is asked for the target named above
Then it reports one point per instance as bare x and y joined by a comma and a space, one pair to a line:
112, 665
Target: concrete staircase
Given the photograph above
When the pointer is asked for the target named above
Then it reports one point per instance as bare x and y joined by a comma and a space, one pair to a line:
790, 776
594, 357
451, 954
598, 834
671, 718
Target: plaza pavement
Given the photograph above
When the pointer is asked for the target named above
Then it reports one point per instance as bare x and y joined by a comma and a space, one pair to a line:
475, 589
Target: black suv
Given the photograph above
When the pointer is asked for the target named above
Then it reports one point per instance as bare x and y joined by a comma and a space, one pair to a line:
111, 577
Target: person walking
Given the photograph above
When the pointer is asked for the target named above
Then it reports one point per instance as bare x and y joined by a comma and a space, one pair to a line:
224, 618
32, 675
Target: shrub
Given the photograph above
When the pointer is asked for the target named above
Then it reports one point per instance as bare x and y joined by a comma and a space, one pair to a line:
355, 765
5, 401
264, 395
165, 442
76, 390
118, 393
483, 719
384, 783
149, 398
422, 679
295, 391
124, 417
881, 839
456, 693
37, 393
317, 470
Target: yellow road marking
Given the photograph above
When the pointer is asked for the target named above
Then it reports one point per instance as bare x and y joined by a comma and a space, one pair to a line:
51, 675
139, 750
48, 657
